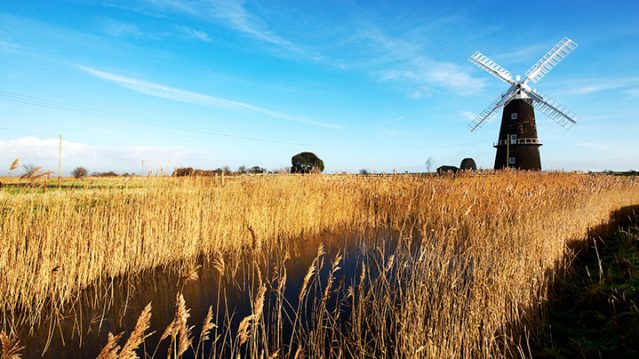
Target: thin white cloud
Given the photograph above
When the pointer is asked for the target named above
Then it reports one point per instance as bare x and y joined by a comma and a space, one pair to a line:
633, 92
591, 86
120, 29
405, 62
12, 47
392, 120
33, 148
467, 115
395, 59
390, 132
44, 152
194, 34
529, 53
176, 94
231, 13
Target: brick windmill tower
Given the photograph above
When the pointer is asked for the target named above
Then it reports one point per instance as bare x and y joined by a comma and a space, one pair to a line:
518, 145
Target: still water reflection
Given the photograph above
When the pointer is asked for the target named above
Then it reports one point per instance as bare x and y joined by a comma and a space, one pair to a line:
81, 330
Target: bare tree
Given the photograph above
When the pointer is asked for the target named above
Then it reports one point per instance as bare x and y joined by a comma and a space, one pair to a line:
79, 172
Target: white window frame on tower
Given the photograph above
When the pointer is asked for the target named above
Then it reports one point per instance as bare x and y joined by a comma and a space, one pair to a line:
513, 139
513, 116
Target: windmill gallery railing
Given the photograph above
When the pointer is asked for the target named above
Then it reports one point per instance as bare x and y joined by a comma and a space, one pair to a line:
519, 141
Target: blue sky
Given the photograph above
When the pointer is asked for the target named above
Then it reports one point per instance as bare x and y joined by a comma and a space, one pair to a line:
373, 84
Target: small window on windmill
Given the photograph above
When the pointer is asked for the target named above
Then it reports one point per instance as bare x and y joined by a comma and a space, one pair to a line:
513, 139
513, 116
511, 160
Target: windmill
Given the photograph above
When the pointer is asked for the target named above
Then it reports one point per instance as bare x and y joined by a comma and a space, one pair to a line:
517, 145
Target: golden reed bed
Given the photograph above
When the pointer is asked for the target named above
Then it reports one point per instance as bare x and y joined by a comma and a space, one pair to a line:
507, 232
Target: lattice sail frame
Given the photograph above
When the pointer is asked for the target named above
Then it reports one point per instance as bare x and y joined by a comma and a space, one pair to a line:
519, 88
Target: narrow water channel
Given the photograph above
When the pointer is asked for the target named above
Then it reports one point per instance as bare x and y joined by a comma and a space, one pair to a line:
81, 330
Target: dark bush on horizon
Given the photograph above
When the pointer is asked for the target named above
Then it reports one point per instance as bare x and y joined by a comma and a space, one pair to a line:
306, 162
79, 172
105, 174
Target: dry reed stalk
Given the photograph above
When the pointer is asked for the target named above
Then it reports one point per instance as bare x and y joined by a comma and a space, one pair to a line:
218, 263
248, 325
190, 273
207, 325
244, 329
14, 165
111, 348
258, 305
10, 347
309, 274
178, 330
478, 269
137, 336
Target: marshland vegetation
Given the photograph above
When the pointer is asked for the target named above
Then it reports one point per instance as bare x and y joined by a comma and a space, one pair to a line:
467, 274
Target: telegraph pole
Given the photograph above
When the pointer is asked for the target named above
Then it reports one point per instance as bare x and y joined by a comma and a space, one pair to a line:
59, 159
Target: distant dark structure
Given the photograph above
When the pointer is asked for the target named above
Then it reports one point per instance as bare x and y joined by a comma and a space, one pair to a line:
468, 164
518, 145
183, 172
188, 171
443, 170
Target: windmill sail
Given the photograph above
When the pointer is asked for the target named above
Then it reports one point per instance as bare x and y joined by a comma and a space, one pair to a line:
518, 144
558, 113
550, 60
484, 62
489, 112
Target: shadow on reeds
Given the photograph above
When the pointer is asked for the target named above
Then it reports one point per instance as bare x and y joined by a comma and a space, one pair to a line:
591, 307
226, 285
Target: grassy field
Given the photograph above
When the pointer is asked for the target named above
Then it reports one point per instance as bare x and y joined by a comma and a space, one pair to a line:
487, 248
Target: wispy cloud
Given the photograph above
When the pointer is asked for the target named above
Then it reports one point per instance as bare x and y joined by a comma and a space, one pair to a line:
44, 152
176, 94
405, 62
597, 85
33, 148
467, 115
633, 92
12, 47
529, 53
394, 59
231, 13
392, 120
391, 132
120, 29
194, 34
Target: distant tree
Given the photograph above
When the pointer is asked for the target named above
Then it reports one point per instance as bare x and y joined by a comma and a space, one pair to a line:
241, 169
363, 171
257, 169
227, 170
79, 172
306, 162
